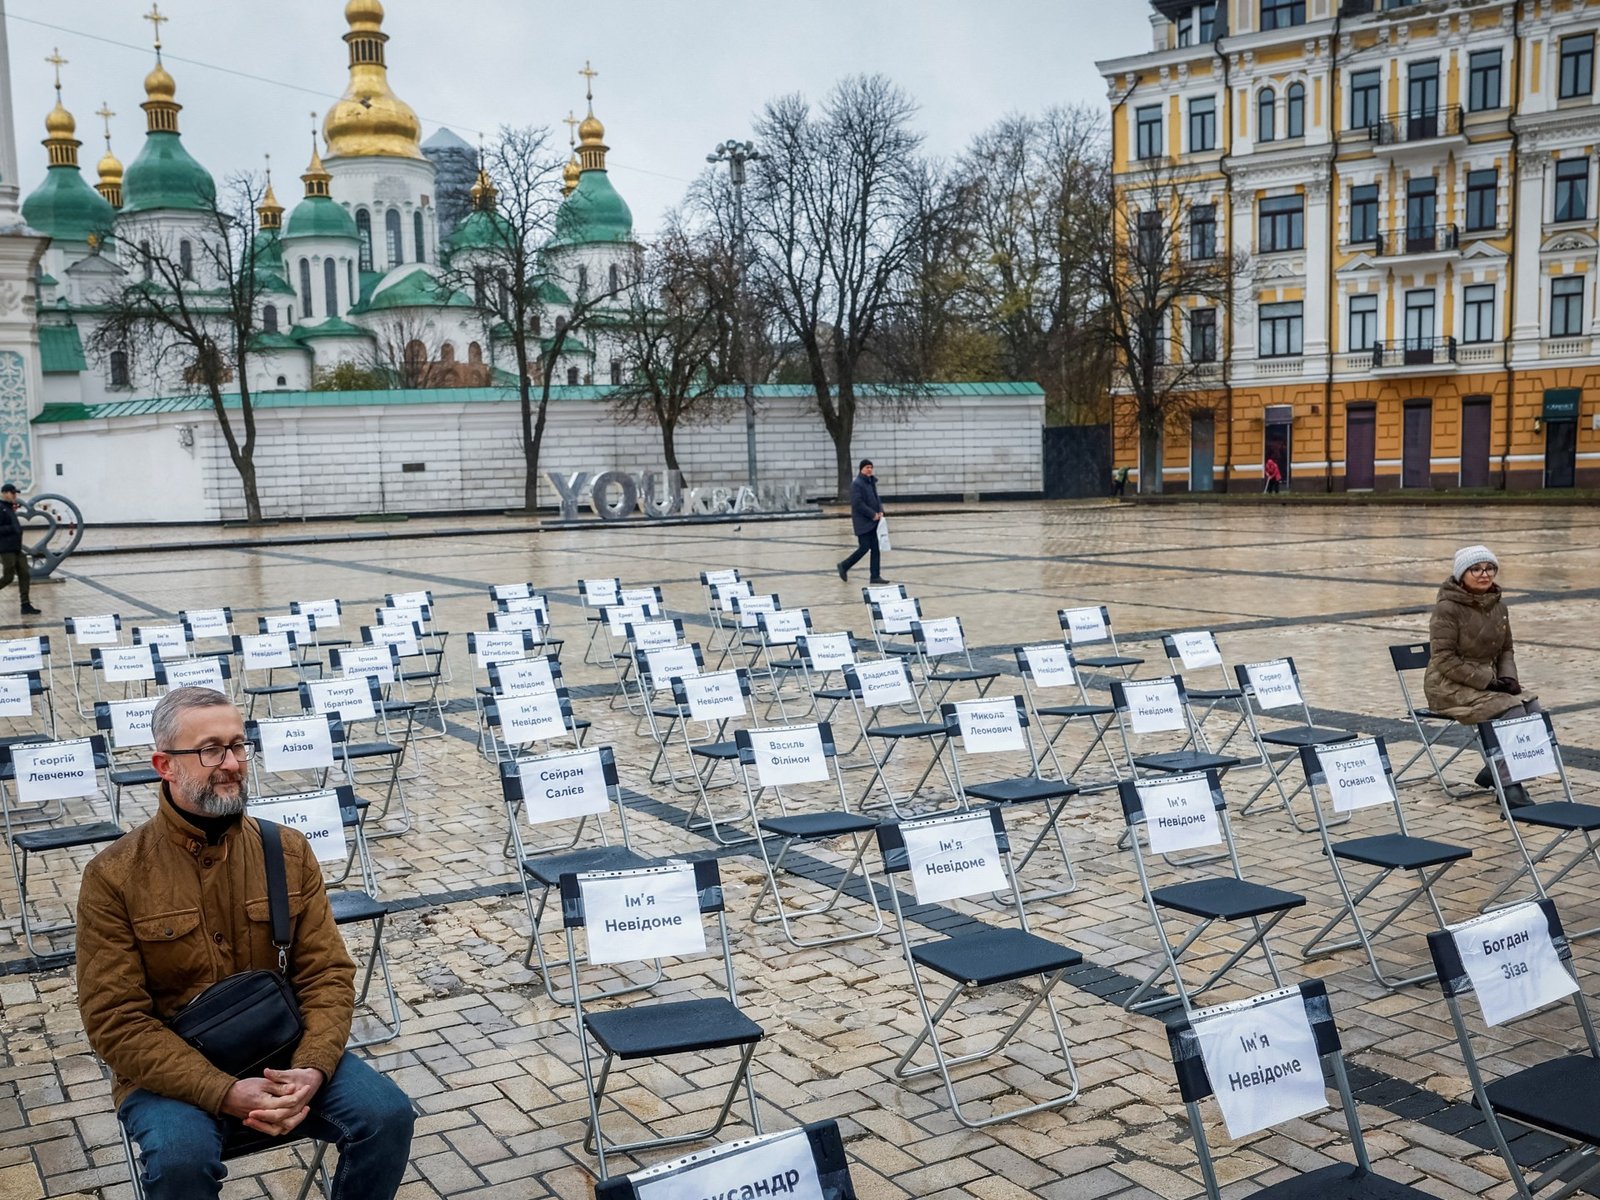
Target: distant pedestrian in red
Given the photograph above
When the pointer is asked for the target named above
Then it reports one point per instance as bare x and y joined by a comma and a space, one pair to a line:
1274, 476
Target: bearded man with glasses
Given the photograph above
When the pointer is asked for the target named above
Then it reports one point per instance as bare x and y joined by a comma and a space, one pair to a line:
180, 903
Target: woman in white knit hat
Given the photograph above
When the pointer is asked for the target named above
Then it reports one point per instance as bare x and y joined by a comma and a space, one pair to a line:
1472, 670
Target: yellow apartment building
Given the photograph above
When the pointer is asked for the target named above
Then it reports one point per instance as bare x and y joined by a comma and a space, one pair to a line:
1408, 190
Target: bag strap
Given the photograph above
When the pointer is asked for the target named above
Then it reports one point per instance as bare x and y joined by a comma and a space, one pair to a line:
277, 890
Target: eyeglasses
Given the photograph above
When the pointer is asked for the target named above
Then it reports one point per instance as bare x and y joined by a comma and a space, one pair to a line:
1484, 569
213, 756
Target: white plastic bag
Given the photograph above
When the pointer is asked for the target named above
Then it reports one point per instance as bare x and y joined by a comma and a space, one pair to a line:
883, 535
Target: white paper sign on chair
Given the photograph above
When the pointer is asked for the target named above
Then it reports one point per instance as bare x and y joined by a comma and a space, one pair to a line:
524, 605
530, 717
652, 635
727, 593
713, 697
1197, 649
196, 672
515, 620
21, 654
951, 859
497, 646
721, 578
511, 591
1050, 665
350, 699
95, 631
406, 614
1525, 746
130, 721
315, 814
829, 651
896, 615
990, 726
1512, 962
1154, 707
296, 745
1085, 625
524, 675
15, 697
644, 597
1273, 683
1261, 1056
669, 663
598, 593
1354, 771
376, 662
300, 624
556, 787
1180, 813
882, 593
402, 637
942, 636
620, 616
324, 612
122, 663
208, 623
167, 639
54, 770
783, 627
753, 1167
642, 915
264, 651
749, 606
789, 755
883, 681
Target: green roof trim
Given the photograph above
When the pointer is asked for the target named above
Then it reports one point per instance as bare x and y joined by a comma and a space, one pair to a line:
481, 230
47, 280
61, 413
319, 216
332, 327
66, 208
417, 289
274, 341
61, 350
165, 176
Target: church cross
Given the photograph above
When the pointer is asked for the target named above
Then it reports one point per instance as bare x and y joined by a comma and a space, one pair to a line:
156, 21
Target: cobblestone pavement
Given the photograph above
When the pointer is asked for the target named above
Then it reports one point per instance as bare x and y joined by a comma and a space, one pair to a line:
490, 1061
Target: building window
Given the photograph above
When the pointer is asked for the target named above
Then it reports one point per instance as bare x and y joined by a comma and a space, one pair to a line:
1483, 80
1202, 124
475, 353
350, 281
1266, 115
1147, 121
364, 232
1577, 66
391, 229
186, 259
1566, 306
1419, 319
417, 237
1203, 231
305, 287
1281, 14
561, 325
1364, 214
1149, 238
1203, 335
1294, 114
583, 280
1478, 313
1482, 189
144, 259
614, 278
1282, 224
119, 368
1363, 322
269, 318
1282, 332
1572, 189
330, 287
572, 375
1422, 212
616, 372
1365, 99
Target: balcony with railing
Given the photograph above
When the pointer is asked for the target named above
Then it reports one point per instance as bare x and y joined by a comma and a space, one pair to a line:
1418, 240
1418, 127
1415, 352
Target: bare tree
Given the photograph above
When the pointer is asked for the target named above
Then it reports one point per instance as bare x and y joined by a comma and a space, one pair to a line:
406, 352
831, 228
1028, 185
675, 336
504, 267
188, 314
1153, 280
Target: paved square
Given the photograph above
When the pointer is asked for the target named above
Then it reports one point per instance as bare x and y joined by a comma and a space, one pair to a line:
490, 1060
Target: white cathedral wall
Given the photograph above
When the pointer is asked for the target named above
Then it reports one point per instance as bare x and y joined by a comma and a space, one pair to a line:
379, 184
314, 462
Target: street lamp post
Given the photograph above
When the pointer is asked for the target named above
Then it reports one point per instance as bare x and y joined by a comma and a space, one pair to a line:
736, 154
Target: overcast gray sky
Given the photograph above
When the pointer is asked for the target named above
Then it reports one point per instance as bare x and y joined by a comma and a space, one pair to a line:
675, 76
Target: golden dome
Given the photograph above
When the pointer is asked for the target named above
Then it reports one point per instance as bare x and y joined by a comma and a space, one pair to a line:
159, 84
590, 129
570, 175
110, 168
59, 123
316, 177
369, 118
483, 192
269, 211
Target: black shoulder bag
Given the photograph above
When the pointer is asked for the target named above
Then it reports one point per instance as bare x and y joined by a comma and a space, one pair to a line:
251, 1020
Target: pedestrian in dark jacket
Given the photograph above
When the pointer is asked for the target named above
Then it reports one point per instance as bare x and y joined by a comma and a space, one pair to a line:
13, 559
1472, 664
865, 513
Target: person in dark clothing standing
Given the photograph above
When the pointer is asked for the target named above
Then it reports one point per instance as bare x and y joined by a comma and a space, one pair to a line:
865, 513
13, 559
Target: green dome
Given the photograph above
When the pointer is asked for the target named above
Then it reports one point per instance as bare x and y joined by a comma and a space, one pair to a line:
164, 176
482, 229
593, 213
319, 216
67, 208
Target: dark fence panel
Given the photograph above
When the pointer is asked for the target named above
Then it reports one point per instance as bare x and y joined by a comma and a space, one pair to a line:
1077, 461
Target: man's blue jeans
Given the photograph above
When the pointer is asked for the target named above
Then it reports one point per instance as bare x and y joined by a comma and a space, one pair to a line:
866, 543
358, 1110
